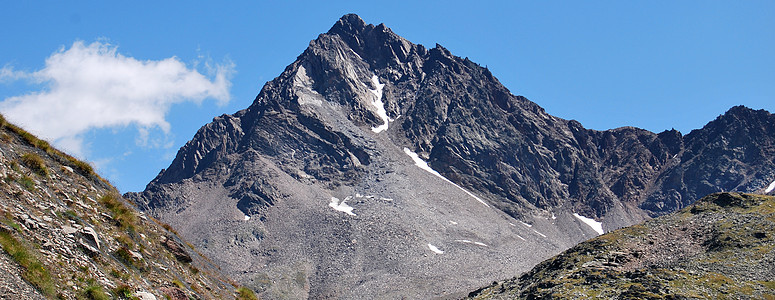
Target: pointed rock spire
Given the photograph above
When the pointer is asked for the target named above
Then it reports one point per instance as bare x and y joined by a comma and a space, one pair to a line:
349, 24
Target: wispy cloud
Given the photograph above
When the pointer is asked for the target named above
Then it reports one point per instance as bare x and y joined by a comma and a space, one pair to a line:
93, 86
7, 73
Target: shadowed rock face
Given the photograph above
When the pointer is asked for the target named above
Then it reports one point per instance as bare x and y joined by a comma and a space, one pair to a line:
266, 190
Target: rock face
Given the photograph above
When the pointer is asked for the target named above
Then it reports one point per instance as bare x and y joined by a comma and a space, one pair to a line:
372, 162
67, 234
720, 247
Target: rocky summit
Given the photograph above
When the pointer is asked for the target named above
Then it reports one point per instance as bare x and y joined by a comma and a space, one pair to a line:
719, 248
375, 167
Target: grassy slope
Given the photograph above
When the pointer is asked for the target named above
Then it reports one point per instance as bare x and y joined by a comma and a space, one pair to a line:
45, 192
719, 248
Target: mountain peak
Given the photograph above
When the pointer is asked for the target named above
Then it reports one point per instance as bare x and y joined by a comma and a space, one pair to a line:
349, 24
367, 128
739, 110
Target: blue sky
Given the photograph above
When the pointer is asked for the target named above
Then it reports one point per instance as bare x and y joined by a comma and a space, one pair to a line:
174, 65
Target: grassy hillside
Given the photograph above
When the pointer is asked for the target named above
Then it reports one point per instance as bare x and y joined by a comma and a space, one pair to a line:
66, 233
719, 248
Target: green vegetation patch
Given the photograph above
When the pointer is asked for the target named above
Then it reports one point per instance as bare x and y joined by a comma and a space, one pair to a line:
124, 217
244, 293
95, 292
82, 167
26, 182
125, 256
34, 271
124, 291
35, 163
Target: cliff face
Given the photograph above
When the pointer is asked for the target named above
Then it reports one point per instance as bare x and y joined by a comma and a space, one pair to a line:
369, 153
67, 234
720, 247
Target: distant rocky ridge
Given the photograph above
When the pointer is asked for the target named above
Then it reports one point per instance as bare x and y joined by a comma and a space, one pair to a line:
65, 233
314, 190
720, 247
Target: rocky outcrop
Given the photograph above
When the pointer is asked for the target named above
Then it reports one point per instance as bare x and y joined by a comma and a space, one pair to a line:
176, 248
320, 177
720, 247
732, 153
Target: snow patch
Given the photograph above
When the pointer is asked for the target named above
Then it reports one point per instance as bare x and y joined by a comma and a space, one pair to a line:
470, 242
434, 249
356, 53
597, 226
424, 165
452, 222
247, 218
378, 104
341, 206
541, 234
554, 217
526, 224
770, 188
521, 238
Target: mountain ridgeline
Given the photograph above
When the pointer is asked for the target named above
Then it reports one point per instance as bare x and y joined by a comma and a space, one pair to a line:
372, 162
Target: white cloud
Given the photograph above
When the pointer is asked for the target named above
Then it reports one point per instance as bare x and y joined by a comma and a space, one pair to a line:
93, 86
7, 73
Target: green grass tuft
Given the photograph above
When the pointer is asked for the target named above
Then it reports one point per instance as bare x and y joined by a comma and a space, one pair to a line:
124, 291
35, 163
95, 292
82, 167
27, 183
125, 218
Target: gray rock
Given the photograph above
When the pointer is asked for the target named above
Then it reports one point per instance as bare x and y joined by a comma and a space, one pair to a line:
68, 230
88, 247
90, 235
144, 296
176, 248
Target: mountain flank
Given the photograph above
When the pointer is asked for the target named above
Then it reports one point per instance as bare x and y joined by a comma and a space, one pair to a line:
719, 248
371, 162
67, 234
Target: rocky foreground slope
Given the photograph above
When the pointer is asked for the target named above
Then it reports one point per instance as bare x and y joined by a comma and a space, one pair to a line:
372, 163
65, 233
722, 247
